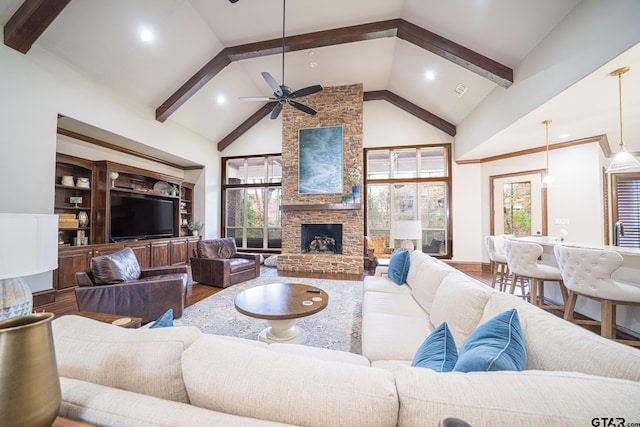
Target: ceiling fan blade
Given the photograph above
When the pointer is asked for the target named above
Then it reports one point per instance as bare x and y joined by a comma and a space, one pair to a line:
306, 91
257, 98
302, 107
276, 111
273, 84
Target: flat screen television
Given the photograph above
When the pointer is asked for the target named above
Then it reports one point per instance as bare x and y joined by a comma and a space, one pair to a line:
140, 218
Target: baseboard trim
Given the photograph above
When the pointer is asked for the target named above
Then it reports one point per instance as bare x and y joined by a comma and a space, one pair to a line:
469, 266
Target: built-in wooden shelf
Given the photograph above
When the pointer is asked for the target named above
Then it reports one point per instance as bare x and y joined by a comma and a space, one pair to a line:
324, 206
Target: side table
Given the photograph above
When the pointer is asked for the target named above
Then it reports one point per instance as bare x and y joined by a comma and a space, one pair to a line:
132, 322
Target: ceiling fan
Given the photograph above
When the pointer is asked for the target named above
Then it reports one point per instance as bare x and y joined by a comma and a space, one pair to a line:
282, 93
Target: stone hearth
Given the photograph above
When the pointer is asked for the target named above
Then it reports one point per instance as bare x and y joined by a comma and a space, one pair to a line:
336, 106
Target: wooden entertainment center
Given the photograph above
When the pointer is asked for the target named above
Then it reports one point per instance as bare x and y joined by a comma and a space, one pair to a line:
80, 240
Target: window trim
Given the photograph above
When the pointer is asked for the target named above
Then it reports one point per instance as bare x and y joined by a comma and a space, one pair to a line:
225, 186
447, 179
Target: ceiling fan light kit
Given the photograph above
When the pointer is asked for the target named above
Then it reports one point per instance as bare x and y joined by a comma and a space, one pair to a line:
623, 161
282, 93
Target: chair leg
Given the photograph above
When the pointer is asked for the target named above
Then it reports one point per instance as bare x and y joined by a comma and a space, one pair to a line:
514, 278
569, 306
608, 314
533, 291
494, 268
563, 290
504, 277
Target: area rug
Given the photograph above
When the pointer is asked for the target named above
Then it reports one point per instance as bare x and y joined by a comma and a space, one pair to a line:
336, 327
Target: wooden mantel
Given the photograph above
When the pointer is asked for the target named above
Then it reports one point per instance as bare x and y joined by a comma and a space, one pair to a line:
323, 206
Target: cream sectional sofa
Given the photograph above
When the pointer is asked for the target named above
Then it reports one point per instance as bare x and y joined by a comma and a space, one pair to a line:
572, 375
180, 377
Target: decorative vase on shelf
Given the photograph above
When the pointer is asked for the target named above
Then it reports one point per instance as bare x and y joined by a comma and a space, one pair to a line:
355, 193
194, 232
83, 219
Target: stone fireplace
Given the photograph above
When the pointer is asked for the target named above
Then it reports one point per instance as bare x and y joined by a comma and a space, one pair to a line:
336, 106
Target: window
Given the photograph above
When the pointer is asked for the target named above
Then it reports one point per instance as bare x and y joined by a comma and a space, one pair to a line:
251, 195
626, 208
410, 183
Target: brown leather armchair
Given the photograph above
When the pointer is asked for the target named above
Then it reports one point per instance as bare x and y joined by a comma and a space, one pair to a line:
115, 284
217, 262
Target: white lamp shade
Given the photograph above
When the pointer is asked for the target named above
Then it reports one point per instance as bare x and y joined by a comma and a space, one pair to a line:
623, 161
408, 230
29, 244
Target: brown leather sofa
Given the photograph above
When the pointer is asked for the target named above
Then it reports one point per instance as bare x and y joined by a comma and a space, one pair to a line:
217, 262
116, 284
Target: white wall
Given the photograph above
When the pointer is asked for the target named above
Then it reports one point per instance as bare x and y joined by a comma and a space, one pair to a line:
575, 193
590, 36
36, 88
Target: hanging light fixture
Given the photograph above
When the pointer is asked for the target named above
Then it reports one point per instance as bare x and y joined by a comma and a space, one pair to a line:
623, 161
548, 178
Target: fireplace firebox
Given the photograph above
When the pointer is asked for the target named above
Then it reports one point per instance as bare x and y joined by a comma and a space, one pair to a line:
321, 238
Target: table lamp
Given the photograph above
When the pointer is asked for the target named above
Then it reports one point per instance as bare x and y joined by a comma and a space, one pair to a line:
407, 231
29, 246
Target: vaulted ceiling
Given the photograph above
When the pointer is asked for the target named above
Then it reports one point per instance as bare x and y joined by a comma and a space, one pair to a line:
204, 50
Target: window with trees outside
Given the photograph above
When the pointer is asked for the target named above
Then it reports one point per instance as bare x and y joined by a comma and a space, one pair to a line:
410, 184
251, 196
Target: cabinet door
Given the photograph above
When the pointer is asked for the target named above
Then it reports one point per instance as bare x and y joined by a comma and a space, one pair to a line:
160, 253
69, 262
142, 251
178, 252
191, 245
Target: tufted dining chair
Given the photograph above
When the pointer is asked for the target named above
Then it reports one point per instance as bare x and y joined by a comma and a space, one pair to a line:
587, 272
522, 259
498, 261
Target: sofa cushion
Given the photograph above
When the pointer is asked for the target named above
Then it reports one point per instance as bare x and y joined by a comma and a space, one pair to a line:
415, 261
320, 353
438, 352
107, 406
253, 382
460, 302
216, 248
496, 345
392, 336
383, 284
116, 267
139, 360
399, 267
510, 398
429, 276
240, 264
390, 303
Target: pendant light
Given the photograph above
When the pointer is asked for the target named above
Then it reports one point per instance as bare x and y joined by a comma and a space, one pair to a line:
548, 178
623, 161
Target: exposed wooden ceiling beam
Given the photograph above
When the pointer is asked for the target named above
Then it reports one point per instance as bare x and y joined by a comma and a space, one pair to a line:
30, 21
383, 95
246, 125
466, 58
409, 107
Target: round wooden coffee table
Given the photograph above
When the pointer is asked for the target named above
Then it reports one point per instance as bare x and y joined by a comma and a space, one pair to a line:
281, 304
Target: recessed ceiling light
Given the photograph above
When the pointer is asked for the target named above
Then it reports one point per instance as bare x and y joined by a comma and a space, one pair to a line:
429, 75
221, 99
146, 35
564, 136
313, 64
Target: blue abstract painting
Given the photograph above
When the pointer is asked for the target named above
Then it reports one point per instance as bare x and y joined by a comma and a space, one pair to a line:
320, 160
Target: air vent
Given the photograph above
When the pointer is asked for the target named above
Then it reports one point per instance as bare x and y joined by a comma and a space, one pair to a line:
460, 90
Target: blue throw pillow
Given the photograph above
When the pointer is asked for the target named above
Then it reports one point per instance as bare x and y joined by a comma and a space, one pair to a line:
496, 345
399, 267
166, 320
438, 351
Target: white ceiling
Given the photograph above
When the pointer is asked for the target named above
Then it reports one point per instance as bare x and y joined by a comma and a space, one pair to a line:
101, 38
